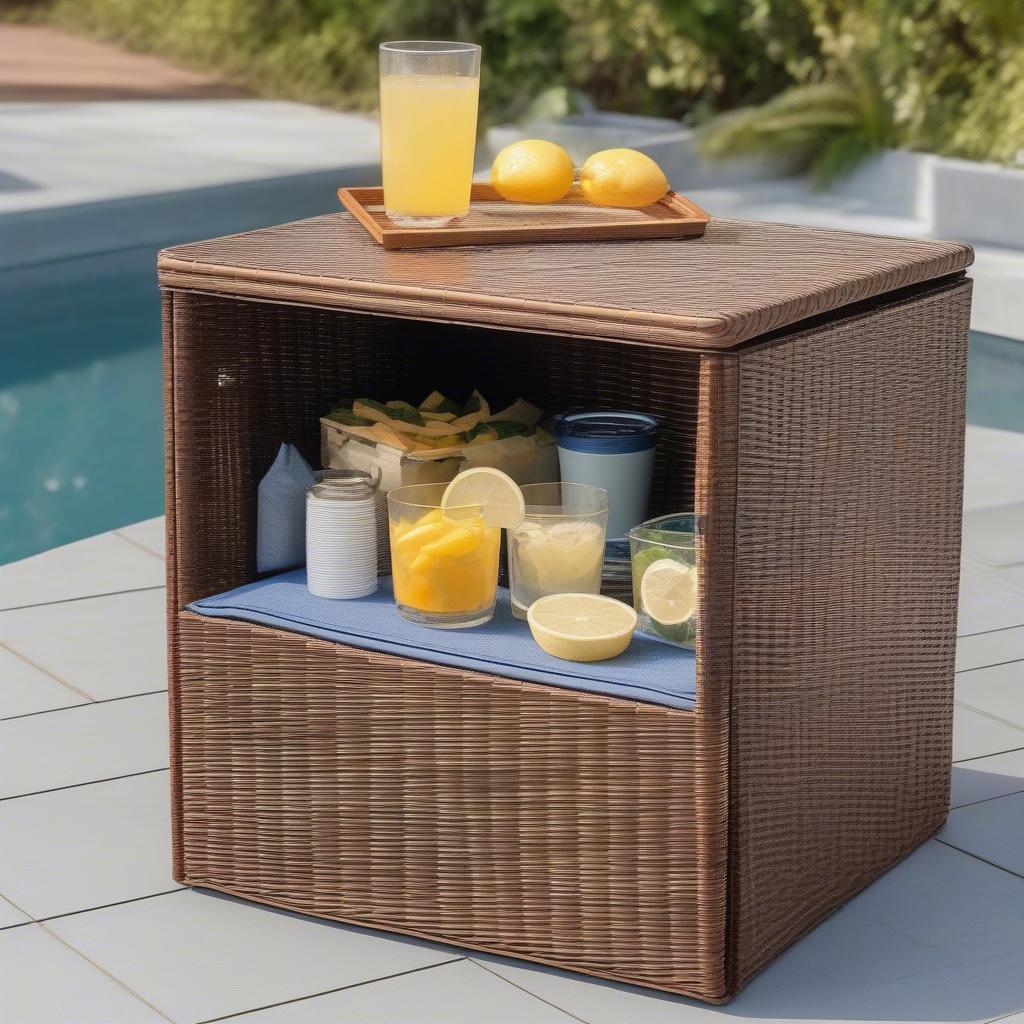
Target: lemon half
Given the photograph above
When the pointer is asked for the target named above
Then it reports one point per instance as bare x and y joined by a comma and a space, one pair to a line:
581, 627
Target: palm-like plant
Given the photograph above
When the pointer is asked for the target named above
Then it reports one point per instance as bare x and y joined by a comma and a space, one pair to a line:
825, 128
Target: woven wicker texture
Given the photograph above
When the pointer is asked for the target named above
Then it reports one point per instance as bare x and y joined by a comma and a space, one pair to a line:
234, 403
368, 788
740, 280
848, 504
680, 850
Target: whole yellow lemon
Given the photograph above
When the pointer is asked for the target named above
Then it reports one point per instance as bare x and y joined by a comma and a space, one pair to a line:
622, 177
532, 171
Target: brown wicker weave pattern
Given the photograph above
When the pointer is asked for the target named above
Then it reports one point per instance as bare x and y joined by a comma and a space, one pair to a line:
368, 788
740, 280
680, 850
234, 403
849, 480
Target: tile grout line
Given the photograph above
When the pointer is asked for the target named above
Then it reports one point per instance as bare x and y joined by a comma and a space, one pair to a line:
988, 714
981, 757
990, 863
80, 597
99, 967
21, 910
1005, 1016
106, 906
53, 675
986, 632
86, 704
547, 1002
142, 547
79, 785
19, 924
995, 664
46, 711
987, 799
331, 991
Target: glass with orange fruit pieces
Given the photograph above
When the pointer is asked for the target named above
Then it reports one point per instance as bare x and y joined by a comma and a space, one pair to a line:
444, 559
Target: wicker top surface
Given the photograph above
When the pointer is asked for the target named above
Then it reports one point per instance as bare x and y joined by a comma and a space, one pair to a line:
741, 280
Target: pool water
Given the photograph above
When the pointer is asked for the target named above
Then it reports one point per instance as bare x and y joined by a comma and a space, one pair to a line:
81, 415
81, 445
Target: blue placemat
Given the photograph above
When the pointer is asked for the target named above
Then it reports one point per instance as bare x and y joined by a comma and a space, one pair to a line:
649, 670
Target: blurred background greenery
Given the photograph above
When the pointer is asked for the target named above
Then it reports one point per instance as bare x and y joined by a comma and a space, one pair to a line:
822, 82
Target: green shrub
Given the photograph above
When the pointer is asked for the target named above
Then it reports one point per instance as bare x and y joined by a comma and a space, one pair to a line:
828, 80
938, 75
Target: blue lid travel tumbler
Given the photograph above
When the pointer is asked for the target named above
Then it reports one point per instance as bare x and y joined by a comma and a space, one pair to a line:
613, 450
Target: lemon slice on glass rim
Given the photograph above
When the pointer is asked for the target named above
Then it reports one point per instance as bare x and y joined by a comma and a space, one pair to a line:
496, 493
668, 592
581, 627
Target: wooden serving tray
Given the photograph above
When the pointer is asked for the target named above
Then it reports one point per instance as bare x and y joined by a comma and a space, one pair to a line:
495, 221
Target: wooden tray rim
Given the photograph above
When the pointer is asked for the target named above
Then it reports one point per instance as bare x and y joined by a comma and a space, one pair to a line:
356, 200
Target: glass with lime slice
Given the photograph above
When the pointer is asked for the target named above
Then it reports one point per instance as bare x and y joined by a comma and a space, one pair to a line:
665, 581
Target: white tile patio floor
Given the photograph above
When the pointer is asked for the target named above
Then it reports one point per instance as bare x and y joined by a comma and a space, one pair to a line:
93, 928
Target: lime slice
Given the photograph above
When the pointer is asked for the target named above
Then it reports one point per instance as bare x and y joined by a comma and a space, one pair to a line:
490, 489
668, 592
581, 627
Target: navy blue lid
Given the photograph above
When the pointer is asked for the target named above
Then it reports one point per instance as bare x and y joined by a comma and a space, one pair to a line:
605, 431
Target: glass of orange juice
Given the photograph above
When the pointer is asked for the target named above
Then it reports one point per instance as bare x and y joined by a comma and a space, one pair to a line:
444, 562
428, 102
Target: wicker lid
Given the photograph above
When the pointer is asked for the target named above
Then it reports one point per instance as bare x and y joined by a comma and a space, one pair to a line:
741, 280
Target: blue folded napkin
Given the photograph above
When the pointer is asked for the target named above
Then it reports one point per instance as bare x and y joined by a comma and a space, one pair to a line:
649, 670
281, 511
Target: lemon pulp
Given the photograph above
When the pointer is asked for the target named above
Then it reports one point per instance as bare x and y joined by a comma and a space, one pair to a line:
441, 565
495, 493
581, 627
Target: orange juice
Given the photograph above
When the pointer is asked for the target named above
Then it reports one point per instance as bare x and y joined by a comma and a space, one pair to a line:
444, 566
427, 139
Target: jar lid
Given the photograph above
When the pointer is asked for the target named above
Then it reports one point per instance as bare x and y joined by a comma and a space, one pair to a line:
605, 431
343, 485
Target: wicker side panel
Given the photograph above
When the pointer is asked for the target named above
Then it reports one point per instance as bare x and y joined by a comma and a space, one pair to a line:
170, 505
849, 480
499, 815
715, 502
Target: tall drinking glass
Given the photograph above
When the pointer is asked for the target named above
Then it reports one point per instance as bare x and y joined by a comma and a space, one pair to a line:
559, 546
428, 102
444, 562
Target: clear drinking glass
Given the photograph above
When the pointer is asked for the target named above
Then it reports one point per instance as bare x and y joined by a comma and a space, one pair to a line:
559, 546
428, 103
444, 563
663, 552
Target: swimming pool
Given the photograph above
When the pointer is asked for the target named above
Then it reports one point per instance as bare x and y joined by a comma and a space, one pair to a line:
81, 418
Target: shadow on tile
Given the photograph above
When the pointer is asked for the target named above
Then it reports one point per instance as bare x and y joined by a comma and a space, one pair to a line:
992, 830
939, 938
987, 778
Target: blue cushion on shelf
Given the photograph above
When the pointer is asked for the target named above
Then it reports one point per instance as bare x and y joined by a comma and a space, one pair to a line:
650, 670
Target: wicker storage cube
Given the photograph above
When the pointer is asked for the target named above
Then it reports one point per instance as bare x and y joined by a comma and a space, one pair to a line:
812, 385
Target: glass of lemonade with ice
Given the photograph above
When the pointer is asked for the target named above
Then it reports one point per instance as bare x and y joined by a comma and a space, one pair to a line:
559, 547
428, 105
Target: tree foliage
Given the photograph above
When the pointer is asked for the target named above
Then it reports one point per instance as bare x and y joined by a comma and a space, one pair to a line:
823, 81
